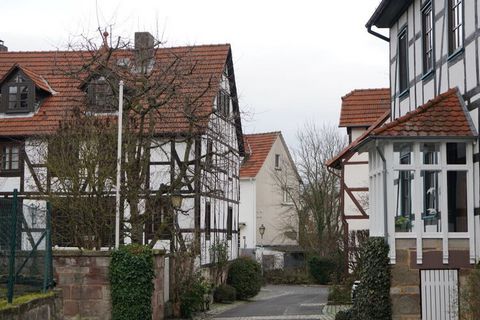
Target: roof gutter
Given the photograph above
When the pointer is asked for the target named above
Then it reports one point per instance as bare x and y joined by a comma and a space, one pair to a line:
376, 34
374, 19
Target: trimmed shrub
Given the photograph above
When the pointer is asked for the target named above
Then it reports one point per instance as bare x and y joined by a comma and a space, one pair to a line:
372, 298
245, 275
321, 269
131, 274
225, 294
339, 294
344, 315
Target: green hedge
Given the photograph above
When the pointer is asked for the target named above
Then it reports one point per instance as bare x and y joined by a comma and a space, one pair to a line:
245, 275
131, 274
372, 299
321, 269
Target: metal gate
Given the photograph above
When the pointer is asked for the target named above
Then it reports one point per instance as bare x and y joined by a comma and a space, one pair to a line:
439, 294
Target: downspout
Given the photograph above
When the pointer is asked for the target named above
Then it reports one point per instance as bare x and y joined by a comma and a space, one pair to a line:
376, 34
385, 209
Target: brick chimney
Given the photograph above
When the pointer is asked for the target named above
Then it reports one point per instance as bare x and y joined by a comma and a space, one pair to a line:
144, 51
2, 47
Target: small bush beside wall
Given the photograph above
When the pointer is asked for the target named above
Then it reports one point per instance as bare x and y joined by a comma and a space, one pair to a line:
193, 291
372, 300
339, 294
344, 315
131, 273
225, 294
245, 275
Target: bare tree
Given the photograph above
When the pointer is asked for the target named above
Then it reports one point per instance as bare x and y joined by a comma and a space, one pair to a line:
318, 209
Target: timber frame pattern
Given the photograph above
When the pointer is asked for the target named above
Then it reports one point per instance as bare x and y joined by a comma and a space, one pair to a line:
211, 167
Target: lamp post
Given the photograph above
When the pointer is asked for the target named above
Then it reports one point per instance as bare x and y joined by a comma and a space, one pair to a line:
262, 232
119, 165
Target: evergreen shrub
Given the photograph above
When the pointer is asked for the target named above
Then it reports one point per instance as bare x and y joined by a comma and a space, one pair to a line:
372, 299
245, 275
131, 273
321, 268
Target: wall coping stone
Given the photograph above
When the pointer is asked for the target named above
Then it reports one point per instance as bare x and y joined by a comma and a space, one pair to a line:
91, 253
17, 309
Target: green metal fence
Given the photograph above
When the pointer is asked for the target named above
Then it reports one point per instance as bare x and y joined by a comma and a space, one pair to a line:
25, 246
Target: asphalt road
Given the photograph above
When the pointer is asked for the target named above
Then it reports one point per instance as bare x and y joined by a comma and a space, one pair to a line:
282, 302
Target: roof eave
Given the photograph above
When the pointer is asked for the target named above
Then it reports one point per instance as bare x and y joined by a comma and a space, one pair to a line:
387, 12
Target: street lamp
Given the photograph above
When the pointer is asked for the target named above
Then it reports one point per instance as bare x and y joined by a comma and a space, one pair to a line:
262, 232
176, 201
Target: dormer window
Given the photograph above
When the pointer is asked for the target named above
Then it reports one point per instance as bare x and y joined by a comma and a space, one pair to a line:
18, 94
100, 95
22, 91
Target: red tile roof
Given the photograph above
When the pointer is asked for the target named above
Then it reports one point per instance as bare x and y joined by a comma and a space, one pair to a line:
336, 161
362, 107
257, 147
444, 116
204, 64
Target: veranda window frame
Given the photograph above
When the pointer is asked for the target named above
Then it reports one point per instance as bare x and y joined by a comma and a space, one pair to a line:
443, 168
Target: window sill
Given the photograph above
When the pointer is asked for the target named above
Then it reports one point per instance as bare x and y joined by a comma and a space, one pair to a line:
287, 204
452, 58
428, 76
405, 93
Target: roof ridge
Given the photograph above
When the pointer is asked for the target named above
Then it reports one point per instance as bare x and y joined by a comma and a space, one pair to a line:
262, 133
78, 51
362, 90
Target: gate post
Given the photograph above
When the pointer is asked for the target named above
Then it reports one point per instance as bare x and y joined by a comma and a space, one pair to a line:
47, 277
13, 245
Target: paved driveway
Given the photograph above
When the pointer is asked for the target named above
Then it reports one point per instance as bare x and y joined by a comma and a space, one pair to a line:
282, 302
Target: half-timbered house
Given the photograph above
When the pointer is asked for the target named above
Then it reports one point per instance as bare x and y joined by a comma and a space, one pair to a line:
38, 93
424, 163
362, 110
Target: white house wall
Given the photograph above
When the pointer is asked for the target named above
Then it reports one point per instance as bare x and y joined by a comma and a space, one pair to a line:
248, 223
272, 212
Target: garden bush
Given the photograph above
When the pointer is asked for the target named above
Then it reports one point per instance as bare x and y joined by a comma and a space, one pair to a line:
372, 299
344, 315
225, 293
339, 294
321, 268
245, 275
131, 274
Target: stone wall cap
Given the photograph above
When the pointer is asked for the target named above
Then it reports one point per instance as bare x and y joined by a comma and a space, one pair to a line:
91, 253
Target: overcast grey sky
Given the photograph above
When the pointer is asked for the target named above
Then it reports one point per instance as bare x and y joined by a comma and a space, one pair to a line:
293, 59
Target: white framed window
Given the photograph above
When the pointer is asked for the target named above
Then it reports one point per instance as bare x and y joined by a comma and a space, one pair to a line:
287, 196
277, 161
433, 188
